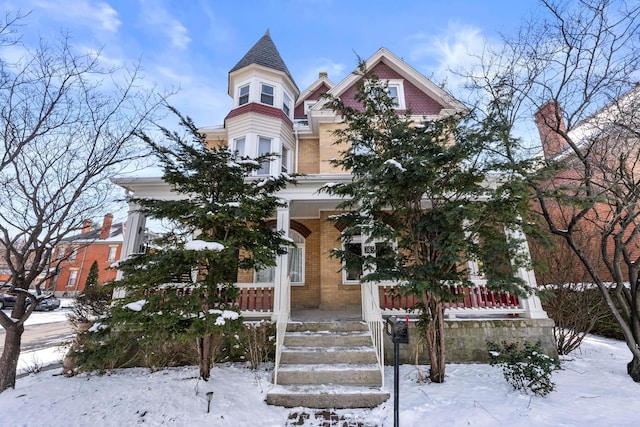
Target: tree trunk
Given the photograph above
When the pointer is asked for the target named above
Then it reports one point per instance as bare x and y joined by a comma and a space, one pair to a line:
633, 369
10, 355
434, 331
204, 356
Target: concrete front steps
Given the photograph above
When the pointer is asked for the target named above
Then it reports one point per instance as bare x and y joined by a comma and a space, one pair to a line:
328, 365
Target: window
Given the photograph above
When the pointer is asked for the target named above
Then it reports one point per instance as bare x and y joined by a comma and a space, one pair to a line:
243, 97
238, 146
73, 277
296, 263
353, 262
286, 104
61, 252
285, 160
353, 269
308, 105
264, 147
112, 253
395, 88
265, 275
296, 258
73, 254
393, 94
266, 94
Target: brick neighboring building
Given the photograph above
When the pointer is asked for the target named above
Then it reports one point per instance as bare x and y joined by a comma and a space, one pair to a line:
73, 257
611, 138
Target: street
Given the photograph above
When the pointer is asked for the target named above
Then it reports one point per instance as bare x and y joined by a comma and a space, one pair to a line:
43, 330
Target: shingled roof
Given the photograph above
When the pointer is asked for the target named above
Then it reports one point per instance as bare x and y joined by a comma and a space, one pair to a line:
264, 53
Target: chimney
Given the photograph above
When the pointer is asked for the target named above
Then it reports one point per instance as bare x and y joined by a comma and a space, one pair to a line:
550, 126
105, 231
86, 225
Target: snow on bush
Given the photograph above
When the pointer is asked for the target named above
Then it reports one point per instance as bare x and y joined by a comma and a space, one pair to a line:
137, 305
201, 245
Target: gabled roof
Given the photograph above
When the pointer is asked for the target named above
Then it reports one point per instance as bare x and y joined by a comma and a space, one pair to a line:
264, 53
322, 79
439, 95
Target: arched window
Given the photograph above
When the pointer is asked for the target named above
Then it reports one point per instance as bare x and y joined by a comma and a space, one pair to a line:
296, 258
296, 263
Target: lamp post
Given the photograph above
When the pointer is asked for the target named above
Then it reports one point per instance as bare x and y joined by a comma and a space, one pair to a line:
209, 397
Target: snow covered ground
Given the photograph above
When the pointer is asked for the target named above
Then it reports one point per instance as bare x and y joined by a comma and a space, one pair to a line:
592, 389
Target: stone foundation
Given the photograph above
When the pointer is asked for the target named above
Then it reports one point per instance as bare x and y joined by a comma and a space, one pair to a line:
466, 339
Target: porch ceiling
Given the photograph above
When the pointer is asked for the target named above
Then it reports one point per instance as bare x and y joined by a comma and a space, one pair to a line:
310, 208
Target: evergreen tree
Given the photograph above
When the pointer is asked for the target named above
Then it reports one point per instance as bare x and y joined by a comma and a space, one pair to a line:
183, 289
422, 196
92, 277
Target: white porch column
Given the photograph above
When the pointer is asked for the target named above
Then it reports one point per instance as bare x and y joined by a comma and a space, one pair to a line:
370, 296
281, 284
531, 303
133, 239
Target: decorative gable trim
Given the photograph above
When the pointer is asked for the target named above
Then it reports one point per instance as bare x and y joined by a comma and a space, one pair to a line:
323, 79
450, 104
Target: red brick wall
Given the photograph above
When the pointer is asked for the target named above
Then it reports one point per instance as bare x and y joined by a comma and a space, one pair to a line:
86, 255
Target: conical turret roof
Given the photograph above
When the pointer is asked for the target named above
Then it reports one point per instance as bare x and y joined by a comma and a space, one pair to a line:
264, 53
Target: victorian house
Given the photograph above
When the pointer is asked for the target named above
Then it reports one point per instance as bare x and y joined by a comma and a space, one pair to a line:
272, 114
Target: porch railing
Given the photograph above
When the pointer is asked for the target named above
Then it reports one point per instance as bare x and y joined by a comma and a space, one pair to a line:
475, 300
255, 299
372, 314
281, 326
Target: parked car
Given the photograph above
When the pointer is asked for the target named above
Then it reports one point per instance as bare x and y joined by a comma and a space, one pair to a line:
47, 304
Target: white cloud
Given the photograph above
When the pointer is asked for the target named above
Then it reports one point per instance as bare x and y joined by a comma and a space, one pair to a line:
456, 48
309, 74
100, 15
159, 19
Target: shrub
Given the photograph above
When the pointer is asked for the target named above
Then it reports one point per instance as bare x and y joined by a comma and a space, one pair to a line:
526, 369
575, 308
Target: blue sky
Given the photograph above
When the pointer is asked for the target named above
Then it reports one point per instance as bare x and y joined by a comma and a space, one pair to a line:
193, 44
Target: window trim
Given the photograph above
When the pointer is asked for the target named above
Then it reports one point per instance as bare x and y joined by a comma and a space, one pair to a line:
73, 273
286, 104
308, 104
359, 240
246, 95
240, 153
399, 85
345, 281
111, 256
301, 247
285, 159
270, 271
263, 94
270, 162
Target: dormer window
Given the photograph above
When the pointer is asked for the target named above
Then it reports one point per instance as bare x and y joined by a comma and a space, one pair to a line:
266, 94
243, 97
286, 104
308, 105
